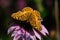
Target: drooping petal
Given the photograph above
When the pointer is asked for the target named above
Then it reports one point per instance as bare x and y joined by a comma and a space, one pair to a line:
33, 37
18, 35
17, 27
29, 36
14, 33
11, 29
37, 35
23, 31
44, 31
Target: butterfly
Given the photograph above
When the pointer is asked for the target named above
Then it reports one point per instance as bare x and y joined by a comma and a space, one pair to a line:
29, 15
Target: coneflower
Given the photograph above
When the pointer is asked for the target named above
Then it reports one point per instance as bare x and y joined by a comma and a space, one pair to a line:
30, 16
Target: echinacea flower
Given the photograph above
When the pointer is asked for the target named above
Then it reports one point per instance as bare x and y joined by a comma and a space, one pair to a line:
30, 16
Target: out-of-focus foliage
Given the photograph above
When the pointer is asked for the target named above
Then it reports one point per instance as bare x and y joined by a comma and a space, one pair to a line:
41, 8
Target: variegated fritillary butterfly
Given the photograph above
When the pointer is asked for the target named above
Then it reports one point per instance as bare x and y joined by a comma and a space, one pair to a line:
29, 15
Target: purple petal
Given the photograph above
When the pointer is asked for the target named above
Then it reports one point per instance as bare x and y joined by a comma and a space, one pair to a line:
23, 31
17, 27
17, 35
44, 31
11, 29
33, 37
29, 35
37, 35
14, 33
16, 38
17, 32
